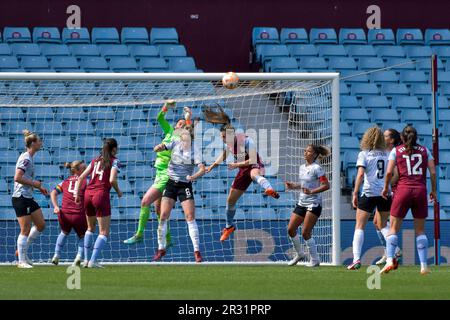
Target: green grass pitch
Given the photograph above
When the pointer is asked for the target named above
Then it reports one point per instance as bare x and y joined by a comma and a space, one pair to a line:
222, 282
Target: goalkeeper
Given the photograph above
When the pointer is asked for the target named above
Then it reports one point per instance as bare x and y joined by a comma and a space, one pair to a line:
154, 193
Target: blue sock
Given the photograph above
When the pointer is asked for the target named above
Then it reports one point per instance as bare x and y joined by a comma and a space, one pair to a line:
381, 237
231, 211
422, 248
391, 244
80, 247
60, 243
98, 246
88, 237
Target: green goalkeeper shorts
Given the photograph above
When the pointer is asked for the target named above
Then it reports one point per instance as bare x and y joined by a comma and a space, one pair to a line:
160, 180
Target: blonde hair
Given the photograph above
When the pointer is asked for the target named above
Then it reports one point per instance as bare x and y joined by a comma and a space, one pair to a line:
373, 139
30, 137
74, 166
320, 151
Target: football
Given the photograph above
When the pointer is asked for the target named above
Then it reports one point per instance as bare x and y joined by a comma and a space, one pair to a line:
230, 80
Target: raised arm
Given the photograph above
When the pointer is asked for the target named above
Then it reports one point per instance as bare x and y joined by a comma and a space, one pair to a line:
201, 171
165, 126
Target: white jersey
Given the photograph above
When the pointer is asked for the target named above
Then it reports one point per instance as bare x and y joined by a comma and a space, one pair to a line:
309, 178
26, 164
375, 163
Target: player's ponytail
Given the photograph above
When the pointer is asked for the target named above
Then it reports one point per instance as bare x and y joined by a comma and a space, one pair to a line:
30, 137
320, 151
74, 166
409, 137
217, 117
108, 146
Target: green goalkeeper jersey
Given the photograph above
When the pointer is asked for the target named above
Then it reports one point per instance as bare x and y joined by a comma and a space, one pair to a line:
163, 157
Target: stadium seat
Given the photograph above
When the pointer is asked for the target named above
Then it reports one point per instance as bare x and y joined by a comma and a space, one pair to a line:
84, 50
437, 37
399, 64
140, 128
382, 115
351, 76
131, 156
141, 186
420, 90
7, 172
139, 172
311, 63
384, 77
94, 64
79, 128
381, 37
69, 114
363, 89
391, 52
354, 115
417, 52
351, 156
102, 35
264, 35
443, 52
401, 103
331, 50
343, 89
424, 129
210, 186
442, 103
444, 158
32, 63
61, 64
444, 115
9, 157
414, 116
42, 157
48, 171
56, 143
444, 144
358, 51
11, 114
370, 63
444, 77
283, 64
341, 63
123, 64
323, 36
413, 76
40, 114
163, 35
344, 129
359, 128
406, 36
46, 35
186, 64
349, 143
3, 187
349, 102
4, 143
16, 34
425, 65
266, 52
60, 156
108, 128
78, 35
108, 51
139, 51
25, 49
125, 143
153, 64
394, 89
7, 62
375, 102
302, 50
168, 51
293, 36
5, 49
101, 114
352, 36
130, 35
52, 50
126, 188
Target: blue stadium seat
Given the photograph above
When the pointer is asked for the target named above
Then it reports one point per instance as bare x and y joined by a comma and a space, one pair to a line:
417, 52
7, 172
341, 63
60, 156
414, 116
131, 156
370, 63
140, 128
344, 129
437, 37
350, 157
399, 64
109, 51
331, 50
125, 143
141, 186
394, 89
391, 52
444, 158
283, 64
16, 34
384, 77
46, 35
322, 36
101, 113
34, 62
421, 90
425, 65
311, 63
163, 35
3, 187
48, 171
413, 76
85, 143
102, 35
11, 114
354, 115
5, 49
89, 154
109, 128
444, 144
153, 64
70, 114
445, 89
130, 35
209, 186
444, 77
60, 64
84, 50
42, 157
401, 103
78, 35
382, 115
442, 103
363, 89
57, 143
352, 36
266, 52
139, 172
186, 64
349, 143
351, 76
375, 102
40, 114
123, 64
349, 102
25, 49
406, 36
7, 62
4, 143
358, 51
94, 64
393, 125
79, 128
444, 115
343, 89
9, 157
52, 50
126, 188
424, 129
139, 51
302, 50
443, 52
293, 35
265, 35
381, 37
168, 51
359, 128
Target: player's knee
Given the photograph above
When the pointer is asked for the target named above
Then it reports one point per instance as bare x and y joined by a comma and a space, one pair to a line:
292, 232
40, 226
306, 234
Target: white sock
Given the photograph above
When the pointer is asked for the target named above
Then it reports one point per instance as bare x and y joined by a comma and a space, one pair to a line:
21, 247
263, 182
311, 244
385, 231
296, 243
193, 233
88, 238
358, 240
60, 243
34, 233
162, 231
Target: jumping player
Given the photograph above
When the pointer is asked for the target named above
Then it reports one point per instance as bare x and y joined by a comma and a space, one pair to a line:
412, 161
309, 207
247, 160
103, 171
71, 215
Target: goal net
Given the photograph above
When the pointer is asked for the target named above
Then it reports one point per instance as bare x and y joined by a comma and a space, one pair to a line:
72, 113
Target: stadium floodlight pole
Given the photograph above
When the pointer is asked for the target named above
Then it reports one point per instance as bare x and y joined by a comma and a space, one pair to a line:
434, 114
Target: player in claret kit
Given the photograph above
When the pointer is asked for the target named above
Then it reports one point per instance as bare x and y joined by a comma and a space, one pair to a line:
247, 160
309, 207
103, 171
71, 215
412, 161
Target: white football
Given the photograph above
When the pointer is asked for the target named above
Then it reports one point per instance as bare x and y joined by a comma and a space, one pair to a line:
230, 80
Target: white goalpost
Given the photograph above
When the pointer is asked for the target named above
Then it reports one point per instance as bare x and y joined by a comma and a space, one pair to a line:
73, 112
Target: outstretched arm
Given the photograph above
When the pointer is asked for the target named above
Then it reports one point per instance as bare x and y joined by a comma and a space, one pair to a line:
165, 126
218, 161
198, 174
